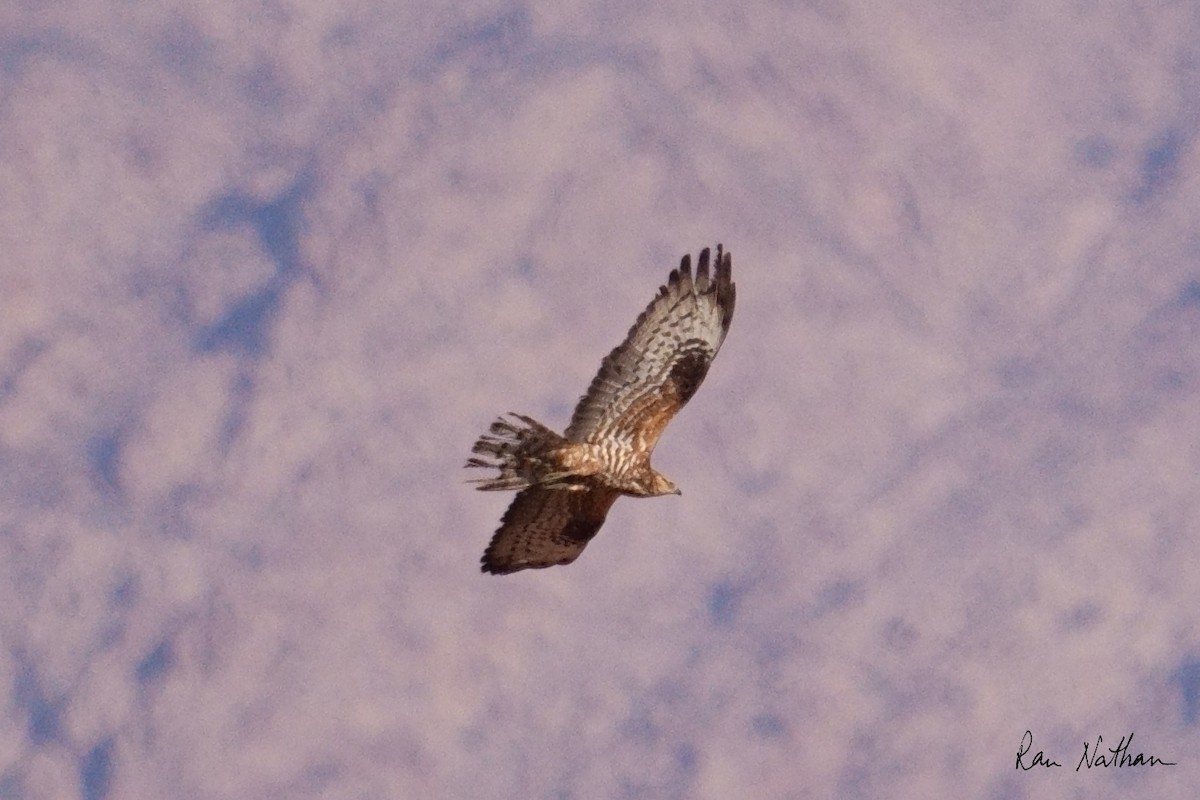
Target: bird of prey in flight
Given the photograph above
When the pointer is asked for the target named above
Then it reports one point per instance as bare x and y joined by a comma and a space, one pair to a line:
566, 484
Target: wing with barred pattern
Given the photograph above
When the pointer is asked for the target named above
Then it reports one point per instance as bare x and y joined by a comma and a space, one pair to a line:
644, 382
546, 527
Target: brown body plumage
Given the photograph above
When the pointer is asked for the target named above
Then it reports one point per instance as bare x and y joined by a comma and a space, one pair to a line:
567, 483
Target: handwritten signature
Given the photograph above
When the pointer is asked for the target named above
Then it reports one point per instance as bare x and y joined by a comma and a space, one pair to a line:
1119, 756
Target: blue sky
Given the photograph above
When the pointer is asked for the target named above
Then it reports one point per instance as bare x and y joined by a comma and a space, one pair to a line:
271, 268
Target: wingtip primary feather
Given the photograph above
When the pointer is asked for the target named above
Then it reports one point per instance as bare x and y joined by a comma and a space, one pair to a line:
711, 275
679, 278
702, 270
726, 291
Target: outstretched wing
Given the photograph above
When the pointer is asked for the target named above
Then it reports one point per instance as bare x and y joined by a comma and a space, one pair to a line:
644, 382
545, 527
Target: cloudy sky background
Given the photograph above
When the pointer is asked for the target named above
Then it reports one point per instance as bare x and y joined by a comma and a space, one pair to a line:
270, 268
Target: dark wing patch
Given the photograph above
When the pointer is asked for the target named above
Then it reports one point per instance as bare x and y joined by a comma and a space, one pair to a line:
644, 382
689, 369
546, 527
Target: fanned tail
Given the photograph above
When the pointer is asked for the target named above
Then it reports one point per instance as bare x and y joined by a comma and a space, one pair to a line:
520, 451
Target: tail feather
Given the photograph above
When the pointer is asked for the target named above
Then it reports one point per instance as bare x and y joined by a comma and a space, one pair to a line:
519, 451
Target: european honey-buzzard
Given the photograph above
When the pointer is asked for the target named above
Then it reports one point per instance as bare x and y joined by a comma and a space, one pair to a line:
568, 483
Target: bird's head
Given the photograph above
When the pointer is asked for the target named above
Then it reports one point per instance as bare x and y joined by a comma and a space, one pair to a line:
660, 484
